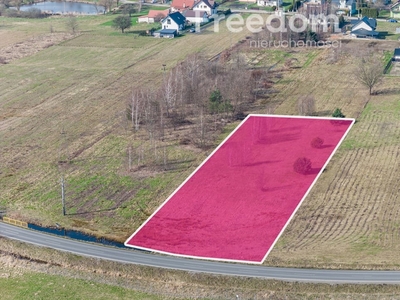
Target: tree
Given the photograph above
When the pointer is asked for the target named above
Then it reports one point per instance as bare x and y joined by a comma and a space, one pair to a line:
317, 143
217, 103
122, 22
306, 105
107, 4
72, 24
158, 17
17, 4
338, 113
302, 165
129, 9
370, 72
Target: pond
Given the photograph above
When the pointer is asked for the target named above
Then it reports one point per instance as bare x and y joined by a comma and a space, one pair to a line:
66, 8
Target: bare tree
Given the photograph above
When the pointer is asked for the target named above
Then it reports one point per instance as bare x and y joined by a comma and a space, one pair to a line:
306, 105
134, 108
17, 4
72, 24
107, 5
158, 17
369, 71
169, 92
200, 131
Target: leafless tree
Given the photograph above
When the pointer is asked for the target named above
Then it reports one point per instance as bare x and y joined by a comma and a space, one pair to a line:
200, 131
72, 24
158, 17
107, 4
306, 105
369, 72
134, 108
169, 89
151, 113
17, 3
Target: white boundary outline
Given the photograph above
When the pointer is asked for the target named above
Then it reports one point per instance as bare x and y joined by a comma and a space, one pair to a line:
212, 153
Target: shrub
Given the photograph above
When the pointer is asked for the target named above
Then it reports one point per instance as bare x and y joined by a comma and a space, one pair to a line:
302, 165
317, 143
338, 113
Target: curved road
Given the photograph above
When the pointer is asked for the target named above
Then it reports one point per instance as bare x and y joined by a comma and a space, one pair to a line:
170, 262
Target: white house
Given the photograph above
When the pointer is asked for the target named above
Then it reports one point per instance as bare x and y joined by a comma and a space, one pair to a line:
364, 28
174, 20
209, 6
347, 7
196, 16
275, 3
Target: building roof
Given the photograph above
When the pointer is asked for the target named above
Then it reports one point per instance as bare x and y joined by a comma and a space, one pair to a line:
397, 52
371, 22
177, 17
182, 4
193, 13
395, 4
167, 31
154, 13
209, 3
364, 32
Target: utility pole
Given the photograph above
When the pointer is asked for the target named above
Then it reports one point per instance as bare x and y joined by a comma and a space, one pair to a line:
63, 194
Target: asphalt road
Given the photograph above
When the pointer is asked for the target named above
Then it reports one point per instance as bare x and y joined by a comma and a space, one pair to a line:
193, 265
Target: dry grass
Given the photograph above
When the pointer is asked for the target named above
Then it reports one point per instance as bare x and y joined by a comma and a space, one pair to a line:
81, 87
165, 283
350, 219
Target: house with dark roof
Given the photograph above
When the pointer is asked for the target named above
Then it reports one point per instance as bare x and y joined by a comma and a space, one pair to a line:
174, 20
209, 6
364, 28
396, 54
165, 33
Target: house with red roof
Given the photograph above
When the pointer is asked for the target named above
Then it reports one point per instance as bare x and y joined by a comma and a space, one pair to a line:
181, 5
153, 16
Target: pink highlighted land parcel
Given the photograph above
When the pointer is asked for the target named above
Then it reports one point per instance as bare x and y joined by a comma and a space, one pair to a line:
237, 203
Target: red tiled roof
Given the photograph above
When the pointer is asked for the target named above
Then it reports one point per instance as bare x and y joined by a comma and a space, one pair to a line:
154, 13
182, 4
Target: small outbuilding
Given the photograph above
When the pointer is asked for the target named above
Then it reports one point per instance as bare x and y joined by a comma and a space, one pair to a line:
396, 54
166, 33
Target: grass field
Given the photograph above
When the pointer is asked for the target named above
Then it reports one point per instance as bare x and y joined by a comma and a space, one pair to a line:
69, 100
43, 286
86, 274
350, 219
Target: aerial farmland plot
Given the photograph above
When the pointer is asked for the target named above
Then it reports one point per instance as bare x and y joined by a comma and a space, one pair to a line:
237, 203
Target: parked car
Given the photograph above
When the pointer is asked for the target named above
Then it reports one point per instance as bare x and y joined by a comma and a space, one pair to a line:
391, 20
